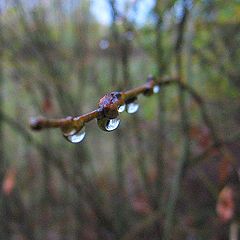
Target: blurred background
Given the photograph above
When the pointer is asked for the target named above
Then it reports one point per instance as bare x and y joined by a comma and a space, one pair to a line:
170, 171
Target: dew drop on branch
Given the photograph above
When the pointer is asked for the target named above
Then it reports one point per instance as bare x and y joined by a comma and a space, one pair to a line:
75, 136
112, 124
156, 89
108, 124
122, 108
132, 107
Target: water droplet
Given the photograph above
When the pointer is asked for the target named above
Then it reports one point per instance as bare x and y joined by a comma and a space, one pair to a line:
122, 108
156, 89
108, 124
75, 136
112, 124
132, 107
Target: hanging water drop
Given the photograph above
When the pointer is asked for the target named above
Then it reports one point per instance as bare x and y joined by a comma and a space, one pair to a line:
121, 108
132, 107
112, 124
75, 136
69, 132
156, 89
108, 125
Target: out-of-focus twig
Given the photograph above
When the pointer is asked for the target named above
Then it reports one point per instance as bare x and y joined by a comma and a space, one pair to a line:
161, 111
120, 210
175, 187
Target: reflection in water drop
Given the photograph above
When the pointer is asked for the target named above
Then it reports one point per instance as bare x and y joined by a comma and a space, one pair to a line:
75, 137
112, 124
156, 89
68, 132
122, 108
107, 124
132, 107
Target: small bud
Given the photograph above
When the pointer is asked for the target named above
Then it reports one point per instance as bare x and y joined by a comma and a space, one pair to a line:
36, 123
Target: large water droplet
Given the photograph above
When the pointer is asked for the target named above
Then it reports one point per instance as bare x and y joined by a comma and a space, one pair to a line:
108, 124
156, 89
132, 107
112, 124
75, 137
122, 108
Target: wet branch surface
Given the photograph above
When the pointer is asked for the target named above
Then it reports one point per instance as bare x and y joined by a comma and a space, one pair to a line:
109, 104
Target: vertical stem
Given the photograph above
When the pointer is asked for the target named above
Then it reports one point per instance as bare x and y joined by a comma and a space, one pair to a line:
161, 111
4, 226
1, 109
120, 206
125, 62
185, 126
141, 160
115, 47
120, 199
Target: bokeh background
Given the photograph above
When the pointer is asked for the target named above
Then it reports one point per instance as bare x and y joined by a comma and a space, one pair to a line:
162, 174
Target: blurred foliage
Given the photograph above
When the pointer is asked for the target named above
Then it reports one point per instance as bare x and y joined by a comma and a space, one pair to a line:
57, 60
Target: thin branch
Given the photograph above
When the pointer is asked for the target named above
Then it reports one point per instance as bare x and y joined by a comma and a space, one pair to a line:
108, 106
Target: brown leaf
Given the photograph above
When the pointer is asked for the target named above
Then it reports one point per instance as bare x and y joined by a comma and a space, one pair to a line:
9, 181
225, 205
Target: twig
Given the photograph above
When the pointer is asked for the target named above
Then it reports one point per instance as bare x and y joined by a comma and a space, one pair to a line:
108, 106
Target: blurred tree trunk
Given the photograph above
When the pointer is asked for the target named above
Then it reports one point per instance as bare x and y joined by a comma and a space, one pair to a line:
120, 218
161, 111
176, 183
4, 221
1, 104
